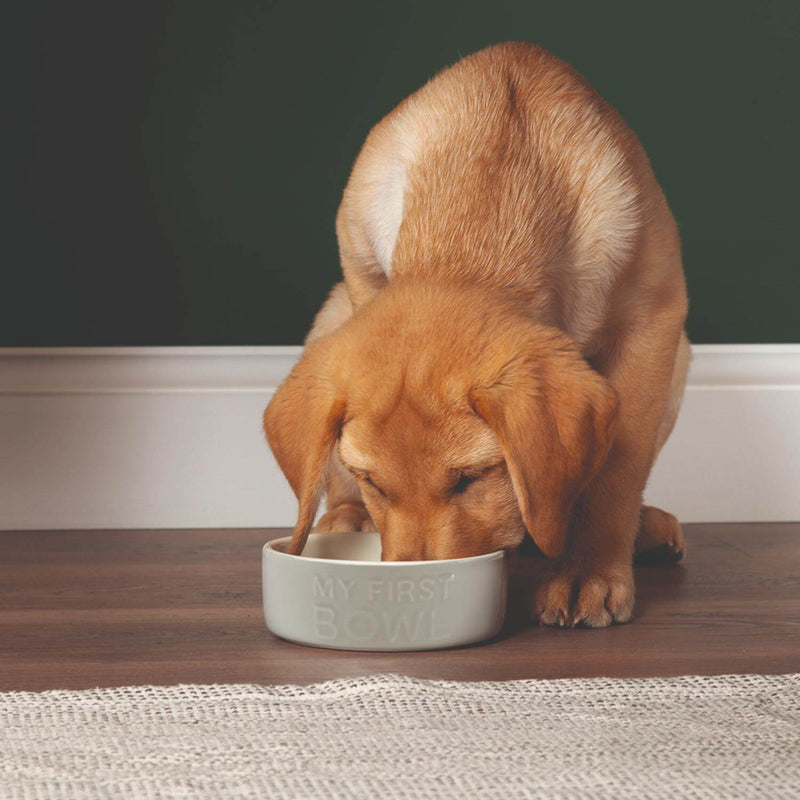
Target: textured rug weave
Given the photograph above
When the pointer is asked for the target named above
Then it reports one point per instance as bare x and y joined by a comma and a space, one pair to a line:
397, 737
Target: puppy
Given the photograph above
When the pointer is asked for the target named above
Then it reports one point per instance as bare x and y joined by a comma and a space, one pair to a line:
507, 352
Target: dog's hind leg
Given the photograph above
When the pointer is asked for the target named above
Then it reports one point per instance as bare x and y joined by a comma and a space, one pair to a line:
676, 391
333, 313
659, 538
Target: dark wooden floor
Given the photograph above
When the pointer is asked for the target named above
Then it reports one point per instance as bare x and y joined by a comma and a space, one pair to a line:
105, 608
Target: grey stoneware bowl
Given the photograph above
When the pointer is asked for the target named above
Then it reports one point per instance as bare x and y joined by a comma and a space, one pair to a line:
339, 594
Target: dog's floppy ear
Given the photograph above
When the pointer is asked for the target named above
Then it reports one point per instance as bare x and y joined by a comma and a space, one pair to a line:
302, 424
554, 418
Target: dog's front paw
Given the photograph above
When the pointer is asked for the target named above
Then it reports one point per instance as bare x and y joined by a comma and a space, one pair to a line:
345, 518
593, 598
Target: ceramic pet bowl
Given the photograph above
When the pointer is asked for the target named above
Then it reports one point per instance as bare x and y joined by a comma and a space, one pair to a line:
340, 594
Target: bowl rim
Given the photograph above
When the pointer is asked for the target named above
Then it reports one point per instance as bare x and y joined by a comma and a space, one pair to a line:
268, 547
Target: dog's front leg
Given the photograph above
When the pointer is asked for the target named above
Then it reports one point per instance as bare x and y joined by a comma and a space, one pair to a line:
346, 512
593, 584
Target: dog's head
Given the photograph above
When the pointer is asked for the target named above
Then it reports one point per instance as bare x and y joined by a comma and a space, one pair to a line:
463, 422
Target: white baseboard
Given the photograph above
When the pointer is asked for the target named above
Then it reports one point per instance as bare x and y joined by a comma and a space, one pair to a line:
171, 438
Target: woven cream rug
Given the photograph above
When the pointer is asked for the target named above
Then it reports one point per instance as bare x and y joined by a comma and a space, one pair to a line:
397, 737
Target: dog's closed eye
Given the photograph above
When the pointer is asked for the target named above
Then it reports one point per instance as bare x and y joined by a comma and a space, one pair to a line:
374, 485
464, 477
464, 482
367, 478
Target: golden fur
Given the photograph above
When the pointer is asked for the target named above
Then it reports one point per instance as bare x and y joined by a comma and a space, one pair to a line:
506, 353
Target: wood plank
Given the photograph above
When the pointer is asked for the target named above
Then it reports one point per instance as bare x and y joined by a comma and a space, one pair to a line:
80, 609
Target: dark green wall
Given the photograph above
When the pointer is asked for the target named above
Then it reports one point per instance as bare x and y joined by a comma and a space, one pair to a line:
174, 167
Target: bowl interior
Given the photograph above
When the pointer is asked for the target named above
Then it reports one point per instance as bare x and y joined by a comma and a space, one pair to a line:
360, 548
337, 546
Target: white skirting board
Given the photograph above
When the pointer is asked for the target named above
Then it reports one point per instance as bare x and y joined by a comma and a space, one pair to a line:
171, 437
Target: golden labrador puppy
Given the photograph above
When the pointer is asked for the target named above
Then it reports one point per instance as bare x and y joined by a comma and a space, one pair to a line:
506, 352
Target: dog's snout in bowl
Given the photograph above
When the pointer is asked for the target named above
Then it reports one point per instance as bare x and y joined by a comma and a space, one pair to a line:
340, 594
430, 551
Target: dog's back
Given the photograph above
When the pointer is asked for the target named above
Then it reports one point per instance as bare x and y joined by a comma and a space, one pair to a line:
505, 168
